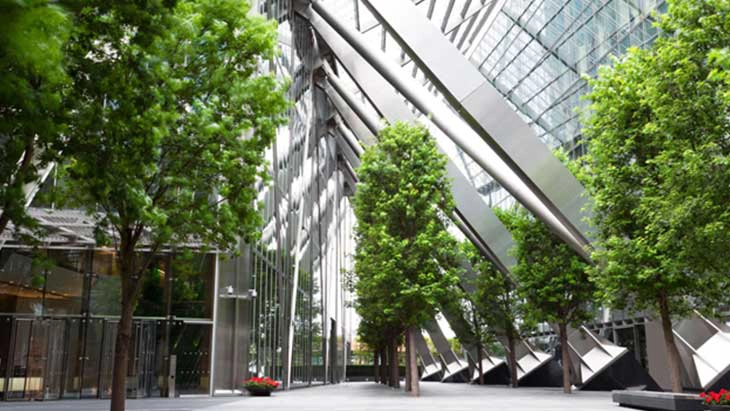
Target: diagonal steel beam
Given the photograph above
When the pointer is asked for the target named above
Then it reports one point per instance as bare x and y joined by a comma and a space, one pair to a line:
486, 111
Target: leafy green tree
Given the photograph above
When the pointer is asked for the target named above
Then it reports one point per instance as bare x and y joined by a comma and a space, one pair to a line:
497, 305
659, 170
551, 278
32, 37
170, 121
404, 256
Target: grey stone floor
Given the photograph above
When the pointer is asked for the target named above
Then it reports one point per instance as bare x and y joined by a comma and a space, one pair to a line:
360, 397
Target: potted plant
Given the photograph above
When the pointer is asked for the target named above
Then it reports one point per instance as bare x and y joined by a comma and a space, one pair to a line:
260, 386
716, 400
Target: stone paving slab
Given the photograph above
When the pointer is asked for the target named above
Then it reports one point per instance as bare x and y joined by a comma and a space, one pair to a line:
364, 396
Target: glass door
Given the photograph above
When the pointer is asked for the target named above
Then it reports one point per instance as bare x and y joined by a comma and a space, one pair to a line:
18, 359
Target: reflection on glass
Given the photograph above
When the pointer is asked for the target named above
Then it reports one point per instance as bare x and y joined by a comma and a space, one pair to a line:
105, 284
192, 286
72, 384
21, 283
19, 360
65, 281
152, 300
190, 343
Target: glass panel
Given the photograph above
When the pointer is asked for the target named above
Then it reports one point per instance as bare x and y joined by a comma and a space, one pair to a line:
152, 300
142, 371
91, 359
19, 360
73, 360
105, 284
45, 360
21, 283
190, 343
6, 328
192, 286
65, 281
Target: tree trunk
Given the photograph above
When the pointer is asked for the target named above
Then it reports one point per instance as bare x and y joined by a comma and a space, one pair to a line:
131, 288
121, 354
408, 361
480, 359
412, 369
394, 375
565, 357
376, 366
383, 366
672, 352
512, 358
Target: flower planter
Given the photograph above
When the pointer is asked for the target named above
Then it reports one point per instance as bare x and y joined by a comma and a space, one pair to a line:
716, 401
260, 386
259, 392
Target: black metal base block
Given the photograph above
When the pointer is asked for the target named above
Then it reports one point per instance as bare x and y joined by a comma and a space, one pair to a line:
625, 373
549, 374
655, 401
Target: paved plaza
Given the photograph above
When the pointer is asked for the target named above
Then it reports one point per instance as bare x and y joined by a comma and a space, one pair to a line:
360, 397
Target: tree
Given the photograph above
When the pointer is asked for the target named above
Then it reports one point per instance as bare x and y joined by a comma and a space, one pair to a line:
33, 34
551, 278
657, 132
404, 256
496, 305
170, 121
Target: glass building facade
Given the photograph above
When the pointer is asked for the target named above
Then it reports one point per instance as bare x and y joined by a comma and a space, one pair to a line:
204, 323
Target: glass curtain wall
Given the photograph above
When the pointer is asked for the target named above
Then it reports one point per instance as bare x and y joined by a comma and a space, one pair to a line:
301, 254
537, 52
59, 311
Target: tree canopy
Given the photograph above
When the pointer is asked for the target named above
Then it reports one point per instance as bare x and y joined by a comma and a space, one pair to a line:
496, 307
33, 34
658, 164
403, 246
658, 167
170, 116
552, 278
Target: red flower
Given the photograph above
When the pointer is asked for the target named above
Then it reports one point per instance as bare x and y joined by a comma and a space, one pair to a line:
261, 382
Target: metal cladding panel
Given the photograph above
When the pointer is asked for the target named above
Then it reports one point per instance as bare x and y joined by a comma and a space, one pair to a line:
470, 206
361, 130
347, 151
591, 355
529, 359
354, 143
477, 215
430, 365
451, 361
703, 346
487, 112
